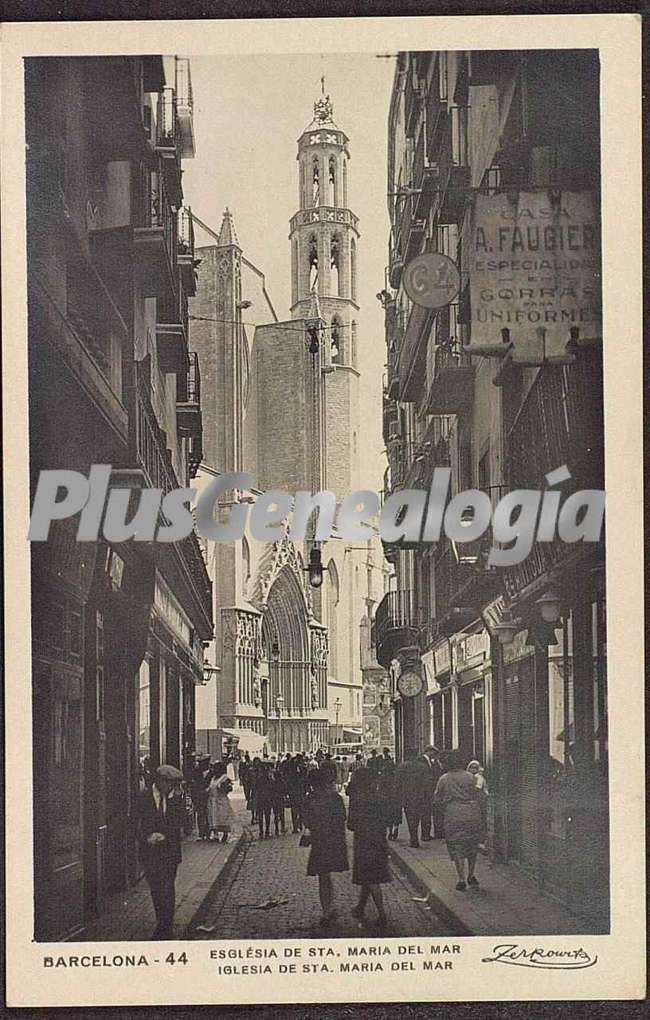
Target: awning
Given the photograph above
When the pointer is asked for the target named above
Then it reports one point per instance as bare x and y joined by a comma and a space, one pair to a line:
248, 740
351, 735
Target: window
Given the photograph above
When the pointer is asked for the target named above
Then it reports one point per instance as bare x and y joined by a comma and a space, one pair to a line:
312, 255
443, 82
336, 340
345, 183
353, 269
484, 471
246, 565
332, 181
315, 182
144, 702
459, 136
353, 332
335, 265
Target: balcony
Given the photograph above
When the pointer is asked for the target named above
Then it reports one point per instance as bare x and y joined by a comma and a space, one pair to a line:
188, 411
392, 375
185, 250
433, 451
559, 422
452, 386
411, 367
453, 158
426, 173
390, 415
410, 230
185, 107
181, 562
155, 239
92, 354
171, 335
396, 625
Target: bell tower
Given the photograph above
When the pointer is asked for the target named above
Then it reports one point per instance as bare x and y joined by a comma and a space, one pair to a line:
324, 250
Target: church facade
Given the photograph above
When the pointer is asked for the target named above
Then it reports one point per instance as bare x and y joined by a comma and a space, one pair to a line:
280, 402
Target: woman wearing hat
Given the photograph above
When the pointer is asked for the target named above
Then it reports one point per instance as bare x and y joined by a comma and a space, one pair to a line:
220, 812
458, 797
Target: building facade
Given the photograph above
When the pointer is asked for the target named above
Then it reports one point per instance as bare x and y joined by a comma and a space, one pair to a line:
494, 162
117, 627
281, 404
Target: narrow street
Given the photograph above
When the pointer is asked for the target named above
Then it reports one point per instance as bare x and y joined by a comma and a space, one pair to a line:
267, 895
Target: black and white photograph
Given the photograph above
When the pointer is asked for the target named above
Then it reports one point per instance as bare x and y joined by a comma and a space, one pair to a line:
318, 564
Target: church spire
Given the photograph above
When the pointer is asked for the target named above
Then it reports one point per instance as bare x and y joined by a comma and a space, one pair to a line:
227, 234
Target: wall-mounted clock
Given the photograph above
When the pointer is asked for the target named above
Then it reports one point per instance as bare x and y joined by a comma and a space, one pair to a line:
409, 684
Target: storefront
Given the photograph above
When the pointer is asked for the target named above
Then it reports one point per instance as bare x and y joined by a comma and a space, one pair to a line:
473, 680
441, 697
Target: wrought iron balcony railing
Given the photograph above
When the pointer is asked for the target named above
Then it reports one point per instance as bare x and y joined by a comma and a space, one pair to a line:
560, 422
396, 624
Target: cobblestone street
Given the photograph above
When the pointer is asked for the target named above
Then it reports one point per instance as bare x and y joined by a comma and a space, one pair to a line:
268, 895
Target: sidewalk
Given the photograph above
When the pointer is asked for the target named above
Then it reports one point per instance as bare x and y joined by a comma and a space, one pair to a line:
506, 902
129, 915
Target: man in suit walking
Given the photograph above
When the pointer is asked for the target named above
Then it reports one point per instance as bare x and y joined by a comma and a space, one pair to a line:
417, 782
160, 823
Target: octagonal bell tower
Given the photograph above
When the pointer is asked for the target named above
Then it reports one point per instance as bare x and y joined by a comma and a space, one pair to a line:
324, 251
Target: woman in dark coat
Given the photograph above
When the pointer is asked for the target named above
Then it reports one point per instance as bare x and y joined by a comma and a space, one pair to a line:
324, 816
457, 796
368, 818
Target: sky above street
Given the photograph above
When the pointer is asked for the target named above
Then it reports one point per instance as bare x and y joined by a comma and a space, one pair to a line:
248, 114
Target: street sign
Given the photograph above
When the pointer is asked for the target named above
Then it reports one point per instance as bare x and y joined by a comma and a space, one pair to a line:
431, 280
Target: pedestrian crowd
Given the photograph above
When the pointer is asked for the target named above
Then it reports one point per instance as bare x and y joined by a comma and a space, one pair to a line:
440, 796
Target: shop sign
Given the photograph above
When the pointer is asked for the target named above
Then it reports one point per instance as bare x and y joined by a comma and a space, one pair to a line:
429, 672
442, 659
518, 648
170, 612
472, 650
534, 268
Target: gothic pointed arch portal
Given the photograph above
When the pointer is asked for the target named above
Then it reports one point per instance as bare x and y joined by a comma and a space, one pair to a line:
294, 649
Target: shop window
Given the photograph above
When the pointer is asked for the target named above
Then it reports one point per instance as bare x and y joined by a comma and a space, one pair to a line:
478, 708
447, 720
561, 721
144, 709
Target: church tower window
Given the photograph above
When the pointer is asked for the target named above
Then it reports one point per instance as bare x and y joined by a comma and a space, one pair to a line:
336, 337
353, 343
315, 182
333, 192
335, 265
353, 269
313, 261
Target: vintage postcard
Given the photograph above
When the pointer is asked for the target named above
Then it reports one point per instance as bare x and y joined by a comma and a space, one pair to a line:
322, 386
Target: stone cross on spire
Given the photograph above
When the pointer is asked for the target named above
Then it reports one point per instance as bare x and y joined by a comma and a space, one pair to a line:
323, 107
